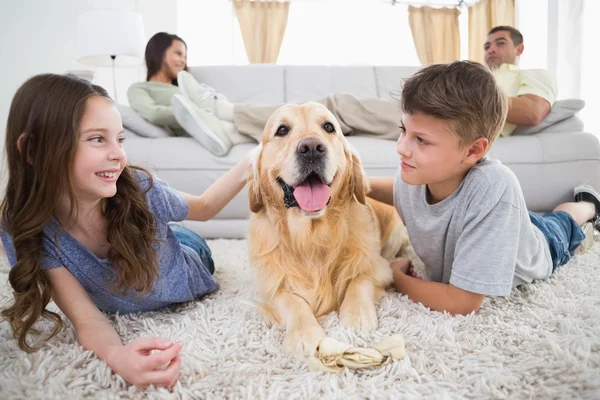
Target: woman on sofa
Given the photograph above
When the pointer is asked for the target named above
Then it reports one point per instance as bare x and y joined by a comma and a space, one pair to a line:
172, 98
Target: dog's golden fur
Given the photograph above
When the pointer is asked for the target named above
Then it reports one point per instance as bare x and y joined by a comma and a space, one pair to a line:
311, 263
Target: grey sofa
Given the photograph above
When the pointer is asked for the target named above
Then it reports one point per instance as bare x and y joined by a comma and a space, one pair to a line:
548, 164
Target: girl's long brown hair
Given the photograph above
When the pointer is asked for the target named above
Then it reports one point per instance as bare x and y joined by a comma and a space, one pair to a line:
46, 113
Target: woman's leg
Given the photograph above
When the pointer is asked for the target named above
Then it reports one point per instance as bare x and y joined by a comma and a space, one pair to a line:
365, 117
374, 117
233, 134
224, 110
192, 240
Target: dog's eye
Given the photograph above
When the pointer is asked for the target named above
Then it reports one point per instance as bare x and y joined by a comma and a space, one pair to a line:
282, 130
328, 126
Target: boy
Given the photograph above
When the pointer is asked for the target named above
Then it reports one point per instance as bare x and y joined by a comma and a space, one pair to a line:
465, 213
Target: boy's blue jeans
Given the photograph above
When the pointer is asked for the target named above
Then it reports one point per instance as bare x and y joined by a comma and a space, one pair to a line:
192, 240
562, 233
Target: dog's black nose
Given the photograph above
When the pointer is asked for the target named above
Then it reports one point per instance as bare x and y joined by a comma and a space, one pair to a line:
311, 148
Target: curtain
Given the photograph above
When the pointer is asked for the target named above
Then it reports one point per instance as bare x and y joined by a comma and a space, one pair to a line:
262, 24
435, 33
483, 16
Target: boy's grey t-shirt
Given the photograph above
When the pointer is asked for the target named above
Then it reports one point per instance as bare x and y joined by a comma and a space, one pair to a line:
480, 238
182, 276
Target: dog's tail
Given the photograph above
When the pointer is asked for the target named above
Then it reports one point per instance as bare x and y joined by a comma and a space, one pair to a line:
270, 313
267, 311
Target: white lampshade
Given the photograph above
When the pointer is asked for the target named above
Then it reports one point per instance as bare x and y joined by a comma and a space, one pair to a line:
110, 32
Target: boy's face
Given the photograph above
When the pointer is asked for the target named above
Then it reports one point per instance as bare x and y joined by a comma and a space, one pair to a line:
430, 155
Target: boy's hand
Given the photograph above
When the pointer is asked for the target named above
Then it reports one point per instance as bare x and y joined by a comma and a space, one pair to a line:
137, 366
401, 265
404, 266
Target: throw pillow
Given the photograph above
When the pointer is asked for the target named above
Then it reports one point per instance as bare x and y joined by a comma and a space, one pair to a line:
137, 124
561, 110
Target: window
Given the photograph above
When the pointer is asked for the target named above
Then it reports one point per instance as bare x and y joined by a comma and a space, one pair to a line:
318, 32
211, 31
334, 32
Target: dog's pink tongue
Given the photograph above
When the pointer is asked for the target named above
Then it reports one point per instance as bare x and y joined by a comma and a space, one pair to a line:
312, 195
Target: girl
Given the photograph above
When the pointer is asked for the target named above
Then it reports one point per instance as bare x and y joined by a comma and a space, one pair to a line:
83, 227
172, 98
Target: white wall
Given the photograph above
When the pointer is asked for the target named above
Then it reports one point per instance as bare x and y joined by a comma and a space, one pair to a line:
39, 36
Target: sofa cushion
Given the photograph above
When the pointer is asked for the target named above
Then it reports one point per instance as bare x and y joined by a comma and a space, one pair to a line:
252, 84
325, 80
133, 122
561, 110
390, 79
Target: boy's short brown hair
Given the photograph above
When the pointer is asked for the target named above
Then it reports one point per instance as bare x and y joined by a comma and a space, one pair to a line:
463, 93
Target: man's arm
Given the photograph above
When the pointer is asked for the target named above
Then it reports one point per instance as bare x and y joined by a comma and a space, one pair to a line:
382, 189
437, 296
527, 110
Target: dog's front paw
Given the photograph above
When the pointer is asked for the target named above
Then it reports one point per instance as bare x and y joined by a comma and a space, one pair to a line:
360, 317
303, 341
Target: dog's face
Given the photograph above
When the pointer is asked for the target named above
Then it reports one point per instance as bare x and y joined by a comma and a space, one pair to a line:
304, 162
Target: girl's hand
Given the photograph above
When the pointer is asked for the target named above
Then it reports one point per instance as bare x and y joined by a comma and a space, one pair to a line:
137, 366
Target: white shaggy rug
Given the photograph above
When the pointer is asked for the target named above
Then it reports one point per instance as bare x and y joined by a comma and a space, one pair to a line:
541, 342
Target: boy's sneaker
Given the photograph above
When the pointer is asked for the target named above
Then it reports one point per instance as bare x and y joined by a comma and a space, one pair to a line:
195, 91
588, 194
588, 242
187, 114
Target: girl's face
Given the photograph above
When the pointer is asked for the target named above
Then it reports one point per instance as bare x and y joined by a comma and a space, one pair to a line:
175, 59
100, 157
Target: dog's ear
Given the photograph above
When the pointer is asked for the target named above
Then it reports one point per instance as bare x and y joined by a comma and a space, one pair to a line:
253, 181
359, 182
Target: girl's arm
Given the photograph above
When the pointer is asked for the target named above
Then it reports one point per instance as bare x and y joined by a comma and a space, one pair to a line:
382, 189
218, 195
94, 332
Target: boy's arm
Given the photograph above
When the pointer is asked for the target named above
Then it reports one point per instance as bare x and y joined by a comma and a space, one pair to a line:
437, 296
218, 195
382, 189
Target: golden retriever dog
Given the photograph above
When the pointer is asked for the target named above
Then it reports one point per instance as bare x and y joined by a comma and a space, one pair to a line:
316, 242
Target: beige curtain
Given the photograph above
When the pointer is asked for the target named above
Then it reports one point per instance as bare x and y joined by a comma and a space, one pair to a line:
263, 25
435, 33
483, 16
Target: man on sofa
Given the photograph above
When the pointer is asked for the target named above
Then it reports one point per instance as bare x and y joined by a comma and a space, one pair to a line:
531, 93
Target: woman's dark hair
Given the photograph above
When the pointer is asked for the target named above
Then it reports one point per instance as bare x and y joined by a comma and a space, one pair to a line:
155, 52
